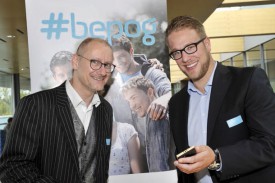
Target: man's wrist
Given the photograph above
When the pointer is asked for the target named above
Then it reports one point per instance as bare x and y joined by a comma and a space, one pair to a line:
216, 164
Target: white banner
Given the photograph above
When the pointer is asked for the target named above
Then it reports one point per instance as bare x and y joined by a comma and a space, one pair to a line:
55, 26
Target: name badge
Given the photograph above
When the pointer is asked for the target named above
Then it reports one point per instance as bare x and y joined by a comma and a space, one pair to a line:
234, 121
108, 142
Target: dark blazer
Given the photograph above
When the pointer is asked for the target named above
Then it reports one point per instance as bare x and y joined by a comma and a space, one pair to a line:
247, 149
42, 145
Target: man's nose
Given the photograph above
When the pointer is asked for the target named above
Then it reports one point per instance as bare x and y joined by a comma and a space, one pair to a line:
184, 56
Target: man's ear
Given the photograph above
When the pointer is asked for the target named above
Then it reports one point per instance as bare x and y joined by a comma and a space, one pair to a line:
207, 44
75, 61
151, 92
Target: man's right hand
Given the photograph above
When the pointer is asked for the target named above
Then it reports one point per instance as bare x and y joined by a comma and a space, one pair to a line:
203, 158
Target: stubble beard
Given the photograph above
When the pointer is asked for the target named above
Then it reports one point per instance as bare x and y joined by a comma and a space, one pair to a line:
201, 73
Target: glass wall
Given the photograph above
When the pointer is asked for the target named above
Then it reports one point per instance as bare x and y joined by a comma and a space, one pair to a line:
6, 98
262, 56
227, 62
7, 95
253, 57
269, 55
238, 61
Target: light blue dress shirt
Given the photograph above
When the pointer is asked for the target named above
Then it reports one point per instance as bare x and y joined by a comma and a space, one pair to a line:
197, 120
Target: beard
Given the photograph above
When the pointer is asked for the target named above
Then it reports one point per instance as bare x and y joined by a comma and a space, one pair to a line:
202, 72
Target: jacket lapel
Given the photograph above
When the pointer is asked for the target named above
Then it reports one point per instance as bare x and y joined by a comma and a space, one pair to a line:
182, 118
220, 85
66, 120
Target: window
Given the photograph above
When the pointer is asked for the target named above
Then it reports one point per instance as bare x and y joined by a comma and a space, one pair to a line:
6, 98
253, 57
238, 61
269, 52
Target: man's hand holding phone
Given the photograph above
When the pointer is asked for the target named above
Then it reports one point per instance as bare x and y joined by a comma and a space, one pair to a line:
194, 159
191, 151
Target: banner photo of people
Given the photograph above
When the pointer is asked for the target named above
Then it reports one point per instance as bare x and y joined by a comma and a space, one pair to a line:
139, 89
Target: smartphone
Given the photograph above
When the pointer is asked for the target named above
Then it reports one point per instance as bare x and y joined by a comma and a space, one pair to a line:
186, 153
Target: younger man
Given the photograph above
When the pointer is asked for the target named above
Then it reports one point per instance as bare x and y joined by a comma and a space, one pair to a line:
140, 93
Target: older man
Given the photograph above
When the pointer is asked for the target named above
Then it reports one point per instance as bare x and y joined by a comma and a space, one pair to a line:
63, 134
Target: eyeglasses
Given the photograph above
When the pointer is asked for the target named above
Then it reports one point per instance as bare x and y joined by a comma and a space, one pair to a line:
189, 49
96, 64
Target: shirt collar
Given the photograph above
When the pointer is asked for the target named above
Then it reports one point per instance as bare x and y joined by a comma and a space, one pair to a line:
192, 88
76, 99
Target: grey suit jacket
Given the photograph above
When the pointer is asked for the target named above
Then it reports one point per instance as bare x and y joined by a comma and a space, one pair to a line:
247, 142
41, 146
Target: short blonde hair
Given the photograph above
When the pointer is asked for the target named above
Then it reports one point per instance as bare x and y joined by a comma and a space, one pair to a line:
182, 22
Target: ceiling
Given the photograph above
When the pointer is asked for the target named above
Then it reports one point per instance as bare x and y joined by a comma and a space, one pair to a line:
13, 50
13, 29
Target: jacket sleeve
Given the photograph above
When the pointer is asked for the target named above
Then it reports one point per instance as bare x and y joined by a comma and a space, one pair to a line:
18, 161
159, 79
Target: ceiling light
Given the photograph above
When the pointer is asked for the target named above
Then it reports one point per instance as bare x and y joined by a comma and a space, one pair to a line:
10, 36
